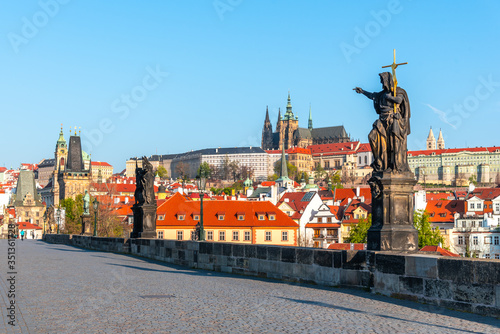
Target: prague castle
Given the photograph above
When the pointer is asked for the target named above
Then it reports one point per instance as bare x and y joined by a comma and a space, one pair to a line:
289, 134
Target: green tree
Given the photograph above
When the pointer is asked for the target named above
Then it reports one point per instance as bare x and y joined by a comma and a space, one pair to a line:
204, 170
292, 170
426, 235
162, 172
359, 233
73, 209
336, 183
234, 169
273, 177
319, 172
473, 179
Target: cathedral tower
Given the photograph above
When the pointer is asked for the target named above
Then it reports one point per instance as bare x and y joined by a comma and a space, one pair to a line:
431, 141
440, 141
267, 133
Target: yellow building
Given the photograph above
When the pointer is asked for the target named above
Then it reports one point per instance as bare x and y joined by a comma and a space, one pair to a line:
100, 171
244, 222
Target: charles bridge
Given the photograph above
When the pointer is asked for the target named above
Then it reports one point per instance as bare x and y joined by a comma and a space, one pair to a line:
77, 284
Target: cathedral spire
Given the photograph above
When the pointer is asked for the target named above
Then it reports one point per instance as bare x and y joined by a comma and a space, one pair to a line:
431, 140
289, 112
267, 115
310, 122
440, 141
284, 169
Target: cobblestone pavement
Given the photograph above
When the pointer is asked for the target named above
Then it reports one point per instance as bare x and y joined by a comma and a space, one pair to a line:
62, 289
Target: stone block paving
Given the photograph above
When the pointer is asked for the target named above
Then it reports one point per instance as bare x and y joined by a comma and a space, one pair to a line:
62, 289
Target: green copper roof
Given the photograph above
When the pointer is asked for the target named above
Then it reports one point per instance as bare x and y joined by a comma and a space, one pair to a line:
85, 156
310, 123
289, 112
61, 142
248, 182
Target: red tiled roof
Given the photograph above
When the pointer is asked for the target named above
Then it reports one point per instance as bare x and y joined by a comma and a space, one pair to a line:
438, 249
178, 203
486, 193
334, 149
294, 201
346, 246
100, 163
28, 226
453, 150
322, 225
268, 183
346, 193
442, 211
438, 196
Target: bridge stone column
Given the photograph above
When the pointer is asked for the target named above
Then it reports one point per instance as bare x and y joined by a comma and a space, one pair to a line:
392, 212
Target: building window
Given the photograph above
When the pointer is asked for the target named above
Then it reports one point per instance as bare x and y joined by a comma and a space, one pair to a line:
222, 236
496, 240
160, 234
261, 217
247, 236
471, 205
272, 217
236, 236
320, 220
475, 240
486, 256
210, 235
497, 256
284, 236
460, 240
180, 217
196, 217
179, 235
220, 217
161, 217
316, 233
241, 217
487, 240
268, 236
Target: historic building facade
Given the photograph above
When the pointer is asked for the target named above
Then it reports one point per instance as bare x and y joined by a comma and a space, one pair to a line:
26, 200
289, 134
71, 175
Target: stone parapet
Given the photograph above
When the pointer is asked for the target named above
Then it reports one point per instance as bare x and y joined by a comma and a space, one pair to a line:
471, 285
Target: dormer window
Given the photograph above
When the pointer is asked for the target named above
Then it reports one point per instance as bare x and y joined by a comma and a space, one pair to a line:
161, 217
196, 217
240, 215
221, 215
181, 216
271, 215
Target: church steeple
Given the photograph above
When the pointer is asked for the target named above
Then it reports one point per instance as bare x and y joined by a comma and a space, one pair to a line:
61, 142
267, 133
310, 122
431, 140
440, 141
284, 169
289, 112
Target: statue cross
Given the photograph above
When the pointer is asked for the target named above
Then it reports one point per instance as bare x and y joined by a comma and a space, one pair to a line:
393, 66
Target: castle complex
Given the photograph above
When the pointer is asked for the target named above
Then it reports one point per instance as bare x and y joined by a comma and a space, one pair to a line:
289, 134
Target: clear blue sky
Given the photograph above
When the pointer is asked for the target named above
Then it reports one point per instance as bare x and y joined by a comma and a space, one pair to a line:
74, 63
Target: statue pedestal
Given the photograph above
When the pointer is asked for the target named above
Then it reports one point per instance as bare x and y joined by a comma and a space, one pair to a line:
86, 224
392, 213
144, 221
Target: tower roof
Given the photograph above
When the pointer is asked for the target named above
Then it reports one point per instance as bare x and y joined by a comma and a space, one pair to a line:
267, 114
75, 159
440, 137
26, 185
289, 113
61, 142
431, 135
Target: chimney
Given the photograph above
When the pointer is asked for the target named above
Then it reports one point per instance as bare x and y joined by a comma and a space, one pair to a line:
357, 191
126, 200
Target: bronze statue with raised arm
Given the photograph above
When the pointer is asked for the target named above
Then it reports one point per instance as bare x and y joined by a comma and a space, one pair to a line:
389, 134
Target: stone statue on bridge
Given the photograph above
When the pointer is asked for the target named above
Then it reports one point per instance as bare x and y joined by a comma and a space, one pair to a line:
392, 181
145, 203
